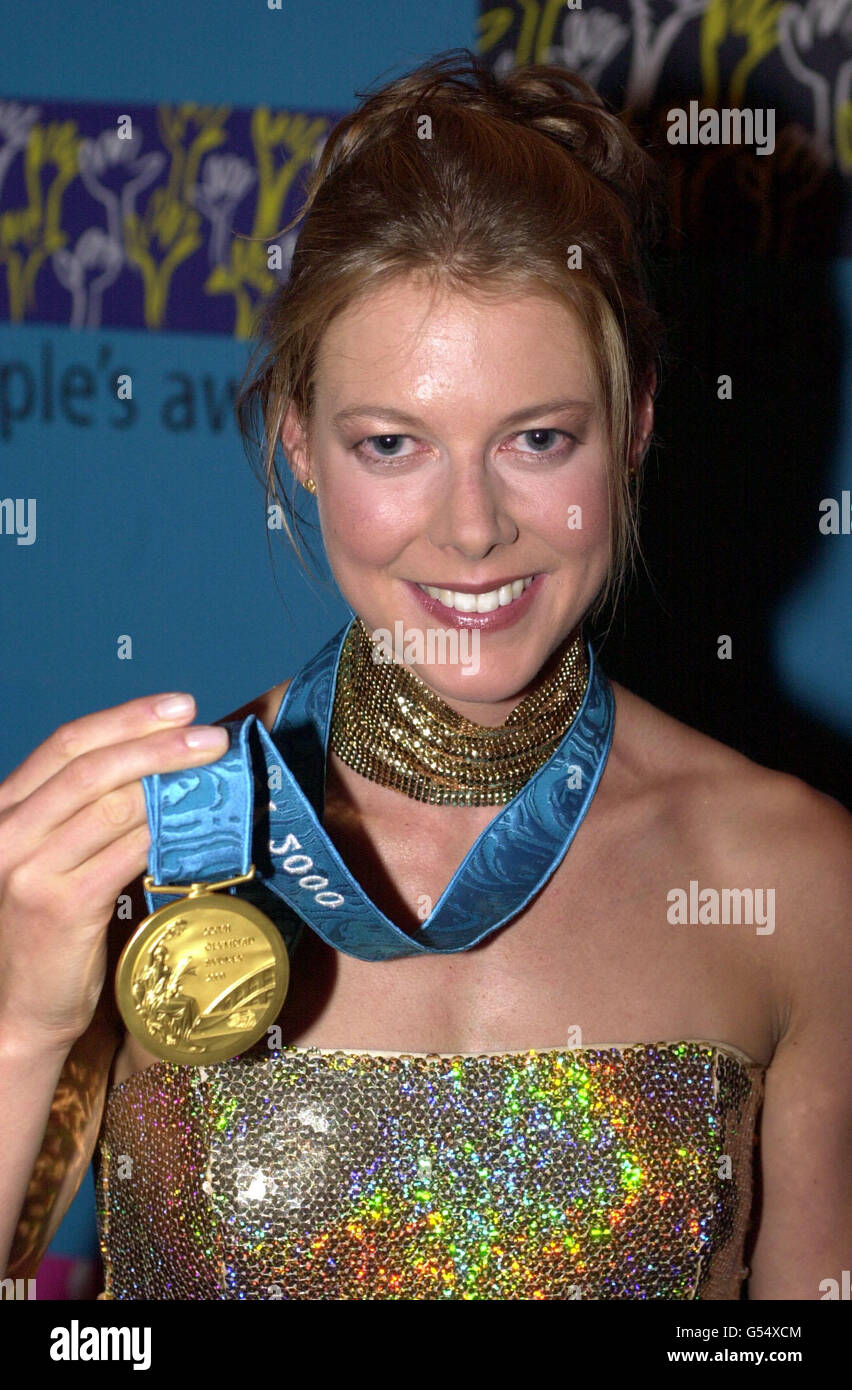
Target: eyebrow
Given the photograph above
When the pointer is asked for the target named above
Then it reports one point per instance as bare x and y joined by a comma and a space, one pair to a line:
353, 412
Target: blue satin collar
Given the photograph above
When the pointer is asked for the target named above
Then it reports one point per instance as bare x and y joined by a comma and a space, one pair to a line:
263, 802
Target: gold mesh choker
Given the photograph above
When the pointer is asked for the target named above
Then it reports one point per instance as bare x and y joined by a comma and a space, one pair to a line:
388, 725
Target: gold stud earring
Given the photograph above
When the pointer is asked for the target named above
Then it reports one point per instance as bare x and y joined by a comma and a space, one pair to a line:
309, 485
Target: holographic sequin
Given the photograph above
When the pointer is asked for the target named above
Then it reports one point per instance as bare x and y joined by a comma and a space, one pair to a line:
602, 1173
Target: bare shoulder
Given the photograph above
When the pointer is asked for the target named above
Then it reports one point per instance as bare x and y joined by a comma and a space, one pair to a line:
264, 706
750, 823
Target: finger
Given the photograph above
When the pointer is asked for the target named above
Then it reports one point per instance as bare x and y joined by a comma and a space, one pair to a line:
93, 828
81, 900
117, 869
118, 724
41, 819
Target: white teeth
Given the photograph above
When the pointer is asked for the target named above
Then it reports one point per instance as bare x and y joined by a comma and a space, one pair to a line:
479, 603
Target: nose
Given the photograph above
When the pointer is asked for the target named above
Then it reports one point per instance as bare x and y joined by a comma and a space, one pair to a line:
472, 516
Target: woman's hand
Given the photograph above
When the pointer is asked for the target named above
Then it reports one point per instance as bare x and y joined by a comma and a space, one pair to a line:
73, 834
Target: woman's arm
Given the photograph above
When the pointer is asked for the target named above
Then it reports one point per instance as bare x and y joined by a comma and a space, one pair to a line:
73, 834
804, 1239
52, 1104
28, 1081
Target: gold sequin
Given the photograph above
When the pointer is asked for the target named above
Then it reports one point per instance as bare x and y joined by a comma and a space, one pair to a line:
602, 1173
388, 725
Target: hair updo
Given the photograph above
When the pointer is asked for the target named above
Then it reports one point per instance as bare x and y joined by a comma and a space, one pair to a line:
518, 172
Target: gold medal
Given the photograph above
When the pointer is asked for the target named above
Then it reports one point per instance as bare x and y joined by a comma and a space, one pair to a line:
202, 979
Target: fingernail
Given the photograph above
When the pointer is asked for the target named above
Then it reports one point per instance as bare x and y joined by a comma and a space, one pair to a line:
173, 706
206, 737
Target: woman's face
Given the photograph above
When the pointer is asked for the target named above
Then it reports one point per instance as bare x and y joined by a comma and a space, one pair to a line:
457, 445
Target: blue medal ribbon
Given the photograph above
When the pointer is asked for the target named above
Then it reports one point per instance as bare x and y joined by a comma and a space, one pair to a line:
203, 826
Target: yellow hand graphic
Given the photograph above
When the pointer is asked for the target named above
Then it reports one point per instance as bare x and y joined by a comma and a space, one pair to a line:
246, 275
30, 234
168, 226
756, 22
843, 135
492, 26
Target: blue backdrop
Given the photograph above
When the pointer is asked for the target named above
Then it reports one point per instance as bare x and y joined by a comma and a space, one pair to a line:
148, 524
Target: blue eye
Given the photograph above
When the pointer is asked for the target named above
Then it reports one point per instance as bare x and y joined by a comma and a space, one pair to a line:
386, 440
382, 446
549, 436
546, 444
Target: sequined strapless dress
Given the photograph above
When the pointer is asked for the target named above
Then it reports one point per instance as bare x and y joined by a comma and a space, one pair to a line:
606, 1172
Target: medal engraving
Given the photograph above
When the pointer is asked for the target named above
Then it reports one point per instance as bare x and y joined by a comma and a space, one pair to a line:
202, 979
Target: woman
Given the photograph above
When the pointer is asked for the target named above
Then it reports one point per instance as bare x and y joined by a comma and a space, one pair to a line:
462, 370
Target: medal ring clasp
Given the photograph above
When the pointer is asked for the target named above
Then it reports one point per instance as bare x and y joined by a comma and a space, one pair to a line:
194, 890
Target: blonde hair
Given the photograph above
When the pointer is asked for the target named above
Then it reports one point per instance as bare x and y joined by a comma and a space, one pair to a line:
517, 172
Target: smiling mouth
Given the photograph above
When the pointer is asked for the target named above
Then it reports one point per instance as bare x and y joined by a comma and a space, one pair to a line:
489, 602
